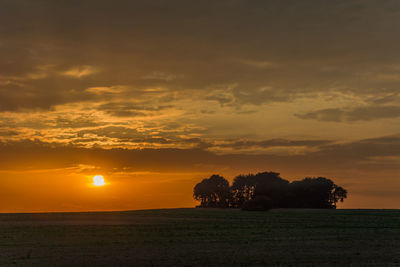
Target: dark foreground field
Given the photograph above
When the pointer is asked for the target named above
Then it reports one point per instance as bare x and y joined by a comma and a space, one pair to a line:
187, 237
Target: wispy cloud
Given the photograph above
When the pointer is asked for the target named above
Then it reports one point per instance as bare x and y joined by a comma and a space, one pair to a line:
80, 71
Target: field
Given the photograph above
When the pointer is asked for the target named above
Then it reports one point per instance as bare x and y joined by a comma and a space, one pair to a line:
198, 237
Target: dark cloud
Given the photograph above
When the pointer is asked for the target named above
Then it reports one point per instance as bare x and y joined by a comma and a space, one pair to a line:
42, 93
356, 114
118, 132
329, 157
289, 47
79, 122
275, 143
126, 109
222, 99
7, 133
129, 135
329, 114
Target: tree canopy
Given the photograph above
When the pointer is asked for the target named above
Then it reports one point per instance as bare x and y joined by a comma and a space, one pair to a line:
266, 190
213, 192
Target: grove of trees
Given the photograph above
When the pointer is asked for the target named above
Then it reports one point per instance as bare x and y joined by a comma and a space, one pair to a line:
266, 190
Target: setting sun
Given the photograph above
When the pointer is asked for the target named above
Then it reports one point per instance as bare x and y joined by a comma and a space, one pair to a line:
98, 180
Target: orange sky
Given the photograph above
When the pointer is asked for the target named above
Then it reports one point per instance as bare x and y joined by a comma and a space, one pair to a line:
157, 95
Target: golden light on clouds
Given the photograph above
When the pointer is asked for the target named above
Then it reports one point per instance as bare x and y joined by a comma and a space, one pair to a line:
79, 72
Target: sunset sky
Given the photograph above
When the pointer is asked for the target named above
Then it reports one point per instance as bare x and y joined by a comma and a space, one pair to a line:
156, 95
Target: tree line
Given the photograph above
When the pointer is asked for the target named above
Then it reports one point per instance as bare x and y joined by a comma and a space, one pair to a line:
266, 190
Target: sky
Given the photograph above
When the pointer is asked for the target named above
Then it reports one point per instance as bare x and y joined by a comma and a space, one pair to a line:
157, 95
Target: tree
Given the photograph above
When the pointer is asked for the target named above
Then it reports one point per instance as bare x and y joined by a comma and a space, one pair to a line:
338, 194
317, 192
267, 190
213, 192
268, 184
242, 190
271, 185
260, 203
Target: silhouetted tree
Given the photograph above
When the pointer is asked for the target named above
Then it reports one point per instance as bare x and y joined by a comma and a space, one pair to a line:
271, 185
260, 203
318, 192
338, 194
267, 189
268, 184
242, 190
213, 192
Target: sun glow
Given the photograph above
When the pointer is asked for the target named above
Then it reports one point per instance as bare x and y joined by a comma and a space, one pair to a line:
98, 180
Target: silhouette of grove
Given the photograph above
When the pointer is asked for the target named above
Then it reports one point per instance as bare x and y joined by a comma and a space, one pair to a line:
267, 190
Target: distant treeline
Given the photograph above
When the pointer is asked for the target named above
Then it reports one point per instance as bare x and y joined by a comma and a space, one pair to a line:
267, 190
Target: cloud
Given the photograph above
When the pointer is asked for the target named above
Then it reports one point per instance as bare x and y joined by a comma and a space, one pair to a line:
82, 121
369, 154
367, 113
7, 133
275, 142
223, 75
159, 75
330, 114
259, 64
112, 132
106, 90
290, 48
80, 71
127, 109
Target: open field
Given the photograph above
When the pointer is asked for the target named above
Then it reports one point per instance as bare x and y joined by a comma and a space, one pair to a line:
187, 237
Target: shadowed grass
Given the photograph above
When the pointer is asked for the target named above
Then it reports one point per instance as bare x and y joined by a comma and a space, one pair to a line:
199, 237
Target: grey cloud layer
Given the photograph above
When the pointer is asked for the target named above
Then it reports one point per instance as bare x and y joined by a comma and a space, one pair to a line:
223, 76
290, 48
368, 154
355, 114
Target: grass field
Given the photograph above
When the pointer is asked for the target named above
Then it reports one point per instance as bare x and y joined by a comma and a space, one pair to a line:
198, 237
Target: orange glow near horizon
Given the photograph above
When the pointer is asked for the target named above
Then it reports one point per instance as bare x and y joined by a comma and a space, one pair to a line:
66, 190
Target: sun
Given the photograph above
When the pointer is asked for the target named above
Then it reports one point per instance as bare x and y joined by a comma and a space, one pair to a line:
98, 180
